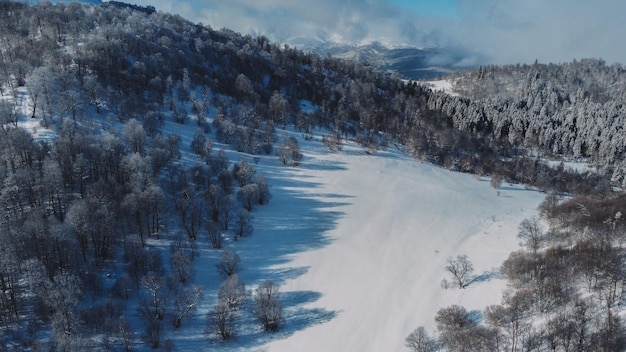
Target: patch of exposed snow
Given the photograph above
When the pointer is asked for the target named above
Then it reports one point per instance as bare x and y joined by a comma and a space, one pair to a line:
577, 166
442, 85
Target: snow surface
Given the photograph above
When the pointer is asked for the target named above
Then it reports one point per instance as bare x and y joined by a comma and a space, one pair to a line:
577, 166
359, 244
443, 85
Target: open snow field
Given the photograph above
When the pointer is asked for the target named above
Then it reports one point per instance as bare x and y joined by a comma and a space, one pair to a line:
359, 244
442, 85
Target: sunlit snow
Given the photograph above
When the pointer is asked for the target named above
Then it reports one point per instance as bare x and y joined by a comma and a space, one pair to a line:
443, 85
359, 243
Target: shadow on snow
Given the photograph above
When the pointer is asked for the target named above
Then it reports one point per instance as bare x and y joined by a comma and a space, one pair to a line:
296, 318
296, 220
485, 276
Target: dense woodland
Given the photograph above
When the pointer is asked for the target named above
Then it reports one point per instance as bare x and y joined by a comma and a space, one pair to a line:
107, 78
573, 110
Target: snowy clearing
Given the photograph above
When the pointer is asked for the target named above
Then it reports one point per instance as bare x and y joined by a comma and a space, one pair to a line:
359, 243
443, 85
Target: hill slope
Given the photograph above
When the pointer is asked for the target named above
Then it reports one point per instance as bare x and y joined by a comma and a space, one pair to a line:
141, 117
382, 270
359, 244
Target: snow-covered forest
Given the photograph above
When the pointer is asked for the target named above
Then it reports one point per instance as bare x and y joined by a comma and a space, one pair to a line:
142, 156
572, 110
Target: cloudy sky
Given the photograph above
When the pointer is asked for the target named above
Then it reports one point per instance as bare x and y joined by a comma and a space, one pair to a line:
483, 31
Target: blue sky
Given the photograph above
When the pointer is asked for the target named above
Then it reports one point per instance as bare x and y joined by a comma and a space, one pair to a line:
481, 31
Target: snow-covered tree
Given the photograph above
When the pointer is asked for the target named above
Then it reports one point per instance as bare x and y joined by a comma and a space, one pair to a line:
230, 262
267, 306
232, 292
223, 321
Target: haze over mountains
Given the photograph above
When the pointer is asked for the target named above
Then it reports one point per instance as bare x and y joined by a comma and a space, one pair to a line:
482, 32
409, 62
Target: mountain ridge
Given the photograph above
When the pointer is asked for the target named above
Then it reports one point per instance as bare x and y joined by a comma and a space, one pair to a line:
411, 62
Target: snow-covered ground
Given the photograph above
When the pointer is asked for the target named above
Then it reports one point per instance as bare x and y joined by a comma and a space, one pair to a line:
359, 244
443, 85
577, 166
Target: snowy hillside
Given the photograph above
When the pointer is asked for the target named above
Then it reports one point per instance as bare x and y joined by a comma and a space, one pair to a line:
359, 243
151, 165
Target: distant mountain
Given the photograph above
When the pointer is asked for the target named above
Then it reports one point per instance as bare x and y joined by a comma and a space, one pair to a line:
120, 4
410, 62
90, 2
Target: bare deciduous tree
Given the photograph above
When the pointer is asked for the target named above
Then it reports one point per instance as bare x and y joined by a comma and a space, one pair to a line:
289, 153
243, 172
215, 234
62, 296
186, 301
8, 114
332, 141
126, 334
530, 232
232, 292
189, 205
278, 107
267, 306
222, 321
248, 195
460, 268
153, 307
264, 195
419, 341
135, 136
198, 143
458, 332
230, 263
182, 266
243, 223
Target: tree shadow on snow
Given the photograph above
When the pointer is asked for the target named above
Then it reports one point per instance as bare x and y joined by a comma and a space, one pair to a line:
324, 165
475, 316
299, 218
296, 220
296, 318
485, 276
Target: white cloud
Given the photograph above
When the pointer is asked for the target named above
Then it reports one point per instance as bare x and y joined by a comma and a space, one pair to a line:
491, 31
509, 31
